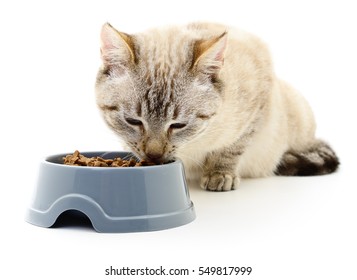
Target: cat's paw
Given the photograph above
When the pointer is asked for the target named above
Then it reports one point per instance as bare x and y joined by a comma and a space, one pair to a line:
219, 182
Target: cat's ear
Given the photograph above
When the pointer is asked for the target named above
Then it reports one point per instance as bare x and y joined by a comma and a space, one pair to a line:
208, 55
117, 48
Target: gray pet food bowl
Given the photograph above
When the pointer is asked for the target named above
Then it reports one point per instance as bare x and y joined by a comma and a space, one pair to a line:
115, 199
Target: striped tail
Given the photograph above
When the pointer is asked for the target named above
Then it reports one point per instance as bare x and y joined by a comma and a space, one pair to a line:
318, 159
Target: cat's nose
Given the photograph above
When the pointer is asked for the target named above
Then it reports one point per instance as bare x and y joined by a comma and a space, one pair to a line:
154, 156
154, 150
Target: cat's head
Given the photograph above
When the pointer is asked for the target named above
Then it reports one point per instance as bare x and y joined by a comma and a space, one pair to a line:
159, 90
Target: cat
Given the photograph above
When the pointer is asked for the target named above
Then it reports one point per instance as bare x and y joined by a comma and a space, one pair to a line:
207, 94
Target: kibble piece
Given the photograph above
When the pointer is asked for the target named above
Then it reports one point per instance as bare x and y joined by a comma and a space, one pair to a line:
132, 162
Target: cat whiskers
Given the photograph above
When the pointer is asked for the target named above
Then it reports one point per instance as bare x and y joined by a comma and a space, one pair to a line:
129, 156
199, 164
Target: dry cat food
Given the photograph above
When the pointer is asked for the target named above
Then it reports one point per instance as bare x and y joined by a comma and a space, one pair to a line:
80, 160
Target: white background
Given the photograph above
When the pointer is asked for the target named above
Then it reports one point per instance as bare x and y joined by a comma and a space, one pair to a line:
285, 228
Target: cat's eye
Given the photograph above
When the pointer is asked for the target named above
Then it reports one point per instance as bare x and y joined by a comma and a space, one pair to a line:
134, 122
177, 125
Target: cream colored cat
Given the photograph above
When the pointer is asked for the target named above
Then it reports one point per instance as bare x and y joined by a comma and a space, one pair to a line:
207, 94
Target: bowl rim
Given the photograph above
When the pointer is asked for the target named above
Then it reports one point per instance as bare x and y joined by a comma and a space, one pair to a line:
46, 160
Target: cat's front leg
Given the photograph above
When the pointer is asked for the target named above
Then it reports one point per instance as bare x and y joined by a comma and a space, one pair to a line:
220, 171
